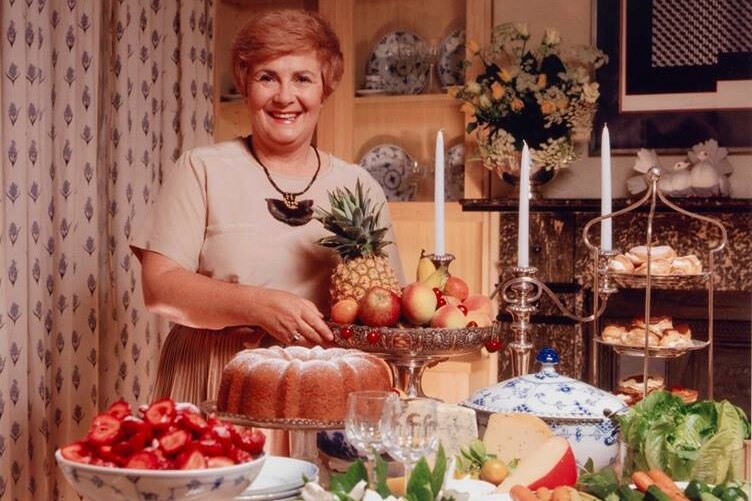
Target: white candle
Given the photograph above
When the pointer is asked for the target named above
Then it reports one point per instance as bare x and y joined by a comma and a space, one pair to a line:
438, 196
523, 230
606, 243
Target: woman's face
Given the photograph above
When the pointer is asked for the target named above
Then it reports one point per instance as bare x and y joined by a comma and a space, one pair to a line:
284, 100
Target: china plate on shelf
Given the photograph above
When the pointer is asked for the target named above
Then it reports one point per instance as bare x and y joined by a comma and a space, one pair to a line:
280, 478
393, 168
454, 173
451, 66
654, 351
394, 58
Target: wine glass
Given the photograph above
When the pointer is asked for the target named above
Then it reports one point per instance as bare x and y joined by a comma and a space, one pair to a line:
409, 430
363, 424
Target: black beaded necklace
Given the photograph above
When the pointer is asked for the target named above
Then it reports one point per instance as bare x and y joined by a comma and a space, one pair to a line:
288, 210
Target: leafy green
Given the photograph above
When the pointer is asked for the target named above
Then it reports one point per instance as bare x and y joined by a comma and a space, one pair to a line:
603, 484
381, 474
342, 484
701, 440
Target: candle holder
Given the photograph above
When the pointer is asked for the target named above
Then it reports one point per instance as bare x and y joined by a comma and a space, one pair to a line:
522, 293
439, 260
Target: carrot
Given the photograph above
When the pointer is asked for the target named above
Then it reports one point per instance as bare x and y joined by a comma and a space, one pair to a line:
667, 485
642, 480
522, 493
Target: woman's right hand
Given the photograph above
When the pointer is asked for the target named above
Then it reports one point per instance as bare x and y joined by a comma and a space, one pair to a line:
283, 315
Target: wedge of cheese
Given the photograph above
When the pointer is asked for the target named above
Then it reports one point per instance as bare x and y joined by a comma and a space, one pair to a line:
457, 427
512, 436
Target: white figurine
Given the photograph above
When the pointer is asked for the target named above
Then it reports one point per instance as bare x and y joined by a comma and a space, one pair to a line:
710, 169
645, 160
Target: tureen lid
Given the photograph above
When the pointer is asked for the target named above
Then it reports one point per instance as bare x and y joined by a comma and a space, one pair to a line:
546, 394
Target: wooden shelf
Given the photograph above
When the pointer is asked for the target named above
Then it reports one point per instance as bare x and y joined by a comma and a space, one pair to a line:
402, 100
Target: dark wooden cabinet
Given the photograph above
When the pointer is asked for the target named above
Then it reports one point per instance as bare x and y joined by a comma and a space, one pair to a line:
558, 251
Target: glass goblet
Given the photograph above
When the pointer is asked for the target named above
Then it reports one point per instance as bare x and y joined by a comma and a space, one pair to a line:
363, 425
409, 430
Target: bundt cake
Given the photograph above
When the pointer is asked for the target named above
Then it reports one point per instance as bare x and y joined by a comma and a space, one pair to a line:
298, 382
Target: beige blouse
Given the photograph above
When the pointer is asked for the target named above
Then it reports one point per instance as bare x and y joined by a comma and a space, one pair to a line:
211, 217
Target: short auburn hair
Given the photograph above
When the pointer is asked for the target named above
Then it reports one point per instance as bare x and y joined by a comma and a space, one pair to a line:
278, 33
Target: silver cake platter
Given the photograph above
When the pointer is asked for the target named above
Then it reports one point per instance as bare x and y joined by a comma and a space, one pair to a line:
210, 407
410, 351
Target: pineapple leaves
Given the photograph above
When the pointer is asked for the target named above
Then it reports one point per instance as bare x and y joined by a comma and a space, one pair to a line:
354, 221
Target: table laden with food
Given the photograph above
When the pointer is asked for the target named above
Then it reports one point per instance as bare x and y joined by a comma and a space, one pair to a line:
363, 430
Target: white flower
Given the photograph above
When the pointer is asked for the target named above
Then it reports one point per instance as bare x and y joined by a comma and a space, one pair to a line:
312, 491
551, 37
456, 495
484, 101
590, 92
358, 491
521, 28
473, 87
372, 495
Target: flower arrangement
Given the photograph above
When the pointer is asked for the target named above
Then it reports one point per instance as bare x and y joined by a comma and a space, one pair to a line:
541, 95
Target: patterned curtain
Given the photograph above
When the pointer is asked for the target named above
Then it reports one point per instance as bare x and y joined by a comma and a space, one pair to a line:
97, 99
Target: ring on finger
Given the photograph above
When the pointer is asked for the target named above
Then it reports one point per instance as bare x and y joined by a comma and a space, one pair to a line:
295, 338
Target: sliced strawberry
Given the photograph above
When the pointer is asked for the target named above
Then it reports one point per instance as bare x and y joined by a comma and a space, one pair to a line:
144, 460
211, 447
192, 422
104, 430
219, 462
238, 455
251, 441
191, 460
132, 425
222, 433
77, 451
110, 453
124, 449
172, 443
160, 414
120, 409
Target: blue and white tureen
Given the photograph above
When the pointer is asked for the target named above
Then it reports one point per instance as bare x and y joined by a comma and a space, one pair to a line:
573, 409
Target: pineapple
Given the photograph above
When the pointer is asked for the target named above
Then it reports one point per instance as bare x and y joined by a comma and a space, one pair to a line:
359, 242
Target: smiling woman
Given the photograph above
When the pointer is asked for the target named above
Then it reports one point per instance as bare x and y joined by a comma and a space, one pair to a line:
228, 251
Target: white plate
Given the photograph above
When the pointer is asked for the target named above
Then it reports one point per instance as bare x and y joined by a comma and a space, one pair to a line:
393, 169
454, 172
394, 58
369, 92
279, 476
451, 61
475, 488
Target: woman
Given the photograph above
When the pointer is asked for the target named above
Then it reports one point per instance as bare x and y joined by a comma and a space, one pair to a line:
228, 252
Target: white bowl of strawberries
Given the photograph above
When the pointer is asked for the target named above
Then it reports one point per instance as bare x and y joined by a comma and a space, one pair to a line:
167, 451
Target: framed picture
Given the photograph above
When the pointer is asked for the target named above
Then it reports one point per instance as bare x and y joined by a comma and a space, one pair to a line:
679, 73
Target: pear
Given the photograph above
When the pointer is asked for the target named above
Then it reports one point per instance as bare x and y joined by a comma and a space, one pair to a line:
438, 278
425, 267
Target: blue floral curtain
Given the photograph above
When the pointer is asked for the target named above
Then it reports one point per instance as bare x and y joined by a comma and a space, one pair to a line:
98, 98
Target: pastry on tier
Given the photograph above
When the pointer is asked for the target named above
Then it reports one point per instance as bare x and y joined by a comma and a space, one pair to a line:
298, 382
634, 387
661, 333
663, 261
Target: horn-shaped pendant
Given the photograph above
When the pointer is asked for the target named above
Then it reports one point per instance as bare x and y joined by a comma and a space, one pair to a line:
293, 214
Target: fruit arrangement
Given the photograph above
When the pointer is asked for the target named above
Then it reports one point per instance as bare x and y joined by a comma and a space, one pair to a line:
163, 436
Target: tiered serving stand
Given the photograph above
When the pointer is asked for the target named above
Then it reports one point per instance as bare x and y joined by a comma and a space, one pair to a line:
523, 291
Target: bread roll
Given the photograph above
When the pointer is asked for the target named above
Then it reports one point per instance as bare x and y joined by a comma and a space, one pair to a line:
613, 333
620, 264
640, 253
686, 265
673, 339
633, 385
636, 337
658, 324
657, 267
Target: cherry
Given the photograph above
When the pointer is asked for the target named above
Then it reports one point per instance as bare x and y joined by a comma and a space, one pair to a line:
438, 292
440, 302
373, 337
346, 333
463, 309
493, 345
472, 323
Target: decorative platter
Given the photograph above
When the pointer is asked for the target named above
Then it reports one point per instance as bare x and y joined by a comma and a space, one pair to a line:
210, 407
393, 168
454, 173
451, 66
394, 58
654, 351
631, 280
414, 342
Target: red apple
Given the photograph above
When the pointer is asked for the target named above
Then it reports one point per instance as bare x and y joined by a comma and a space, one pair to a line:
550, 465
418, 303
344, 311
448, 317
479, 302
456, 287
380, 307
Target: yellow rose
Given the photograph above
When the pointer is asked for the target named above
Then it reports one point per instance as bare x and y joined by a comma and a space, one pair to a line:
505, 75
541, 81
497, 91
473, 47
453, 91
468, 108
547, 107
484, 101
590, 92
517, 104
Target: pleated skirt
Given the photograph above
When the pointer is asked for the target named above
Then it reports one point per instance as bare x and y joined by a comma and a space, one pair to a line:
191, 363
